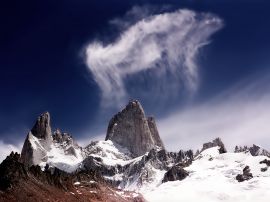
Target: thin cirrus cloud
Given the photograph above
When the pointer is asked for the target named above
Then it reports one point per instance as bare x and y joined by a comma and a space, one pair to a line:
240, 116
165, 44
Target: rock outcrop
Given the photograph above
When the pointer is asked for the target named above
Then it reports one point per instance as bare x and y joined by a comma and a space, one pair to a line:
214, 143
247, 175
267, 162
66, 142
254, 150
175, 173
130, 128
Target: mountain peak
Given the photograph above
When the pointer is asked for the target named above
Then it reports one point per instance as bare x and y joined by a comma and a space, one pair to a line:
42, 127
38, 141
131, 128
41, 147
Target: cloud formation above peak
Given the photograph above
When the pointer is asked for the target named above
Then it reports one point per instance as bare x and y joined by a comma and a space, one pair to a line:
239, 116
162, 46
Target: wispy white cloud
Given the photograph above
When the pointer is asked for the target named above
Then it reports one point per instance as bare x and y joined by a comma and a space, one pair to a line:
239, 116
6, 149
165, 44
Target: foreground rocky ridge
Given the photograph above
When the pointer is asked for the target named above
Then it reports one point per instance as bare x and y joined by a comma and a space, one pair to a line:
21, 183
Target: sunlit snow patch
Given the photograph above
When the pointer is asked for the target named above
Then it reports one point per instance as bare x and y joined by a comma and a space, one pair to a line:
212, 178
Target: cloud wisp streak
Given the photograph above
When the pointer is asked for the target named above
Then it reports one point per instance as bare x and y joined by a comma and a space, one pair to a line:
164, 45
240, 116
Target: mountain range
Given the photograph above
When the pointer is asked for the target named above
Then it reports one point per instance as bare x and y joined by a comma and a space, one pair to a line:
131, 164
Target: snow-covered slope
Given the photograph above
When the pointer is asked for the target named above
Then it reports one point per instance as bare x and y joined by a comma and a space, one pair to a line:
58, 157
213, 178
66, 157
112, 160
57, 149
110, 153
119, 167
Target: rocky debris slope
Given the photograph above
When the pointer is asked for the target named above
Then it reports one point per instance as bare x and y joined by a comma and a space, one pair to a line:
131, 129
22, 183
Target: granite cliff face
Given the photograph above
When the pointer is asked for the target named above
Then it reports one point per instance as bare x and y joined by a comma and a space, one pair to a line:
42, 129
131, 129
154, 132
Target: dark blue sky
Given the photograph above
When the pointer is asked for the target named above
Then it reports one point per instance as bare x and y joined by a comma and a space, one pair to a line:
43, 68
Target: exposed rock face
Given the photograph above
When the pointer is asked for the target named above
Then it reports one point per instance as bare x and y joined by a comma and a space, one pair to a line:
66, 142
42, 128
245, 176
38, 141
175, 173
256, 150
154, 131
130, 128
214, 143
267, 162
63, 138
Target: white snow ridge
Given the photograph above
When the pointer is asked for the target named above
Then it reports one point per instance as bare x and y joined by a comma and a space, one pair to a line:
213, 178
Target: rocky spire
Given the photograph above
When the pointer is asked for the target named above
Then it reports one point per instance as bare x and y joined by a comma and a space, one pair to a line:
130, 128
38, 141
42, 128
